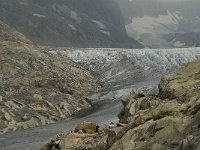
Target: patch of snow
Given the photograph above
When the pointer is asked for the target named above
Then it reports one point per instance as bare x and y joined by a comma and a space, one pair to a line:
72, 27
148, 24
178, 44
100, 24
105, 32
75, 16
39, 15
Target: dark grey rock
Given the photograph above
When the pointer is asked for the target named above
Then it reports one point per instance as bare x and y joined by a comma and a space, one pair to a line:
68, 23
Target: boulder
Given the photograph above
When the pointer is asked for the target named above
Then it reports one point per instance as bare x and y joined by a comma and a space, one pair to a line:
87, 127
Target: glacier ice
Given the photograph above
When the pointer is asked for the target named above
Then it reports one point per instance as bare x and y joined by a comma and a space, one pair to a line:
120, 70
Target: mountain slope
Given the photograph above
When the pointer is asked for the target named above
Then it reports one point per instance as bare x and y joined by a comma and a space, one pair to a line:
69, 23
150, 21
188, 39
37, 87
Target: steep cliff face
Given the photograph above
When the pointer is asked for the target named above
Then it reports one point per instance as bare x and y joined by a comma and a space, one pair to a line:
37, 87
69, 23
169, 120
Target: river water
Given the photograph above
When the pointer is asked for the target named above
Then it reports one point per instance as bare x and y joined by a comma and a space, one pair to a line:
34, 138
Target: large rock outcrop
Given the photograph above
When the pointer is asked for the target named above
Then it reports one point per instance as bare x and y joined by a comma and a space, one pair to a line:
167, 121
37, 87
68, 23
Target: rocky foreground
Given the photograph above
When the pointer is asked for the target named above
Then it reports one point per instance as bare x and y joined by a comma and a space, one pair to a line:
167, 121
37, 87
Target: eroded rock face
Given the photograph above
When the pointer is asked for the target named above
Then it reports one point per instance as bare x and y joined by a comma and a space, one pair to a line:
184, 84
36, 87
167, 121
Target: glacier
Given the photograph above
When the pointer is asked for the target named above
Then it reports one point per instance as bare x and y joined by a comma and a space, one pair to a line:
121, 70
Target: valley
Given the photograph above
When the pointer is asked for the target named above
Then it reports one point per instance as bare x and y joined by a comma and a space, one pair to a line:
136, 65
130, 67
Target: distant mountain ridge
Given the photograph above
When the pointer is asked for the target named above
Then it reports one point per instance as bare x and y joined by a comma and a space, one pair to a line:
161, 24
68, 23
